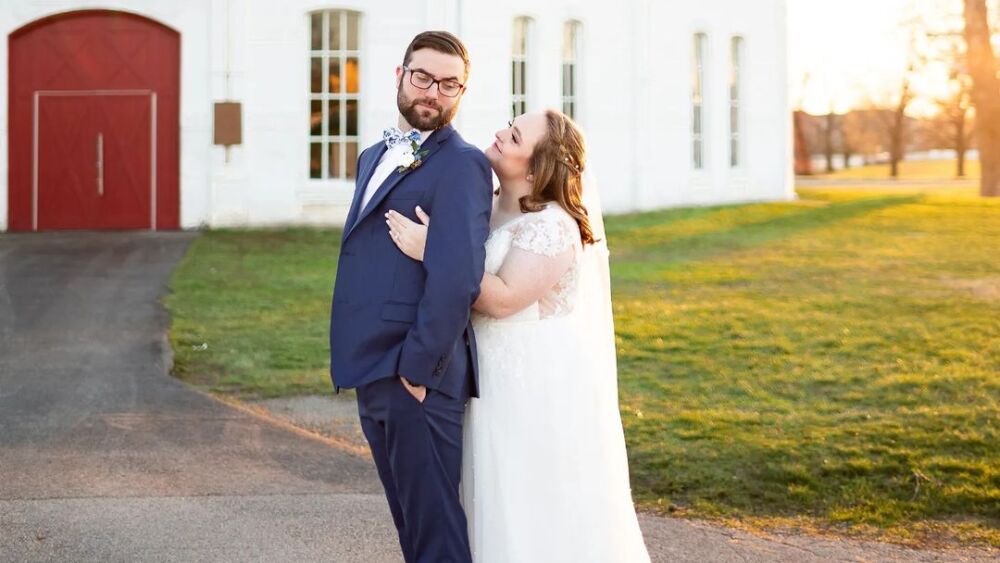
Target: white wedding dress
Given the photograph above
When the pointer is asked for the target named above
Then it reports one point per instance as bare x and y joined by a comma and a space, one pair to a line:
545, 473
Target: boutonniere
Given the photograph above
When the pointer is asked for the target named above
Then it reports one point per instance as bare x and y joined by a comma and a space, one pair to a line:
412, 158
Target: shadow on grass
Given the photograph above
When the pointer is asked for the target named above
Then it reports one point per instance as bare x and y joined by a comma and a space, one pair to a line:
871, 488
641, 260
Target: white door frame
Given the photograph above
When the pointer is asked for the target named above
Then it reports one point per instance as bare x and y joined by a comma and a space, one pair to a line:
39, 94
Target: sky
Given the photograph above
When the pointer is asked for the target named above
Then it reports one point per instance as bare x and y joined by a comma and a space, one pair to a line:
844, 53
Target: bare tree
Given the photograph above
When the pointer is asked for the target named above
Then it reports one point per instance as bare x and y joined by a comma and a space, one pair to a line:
803, 155
800, 120
956, 118
897, 131
860, 132
828, 139
894, 123
984, 68
847, 148
953, 126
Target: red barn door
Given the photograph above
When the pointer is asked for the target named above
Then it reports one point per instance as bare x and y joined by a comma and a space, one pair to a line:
94, 104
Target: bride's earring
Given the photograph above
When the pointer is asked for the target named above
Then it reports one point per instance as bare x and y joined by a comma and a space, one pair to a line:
530, 178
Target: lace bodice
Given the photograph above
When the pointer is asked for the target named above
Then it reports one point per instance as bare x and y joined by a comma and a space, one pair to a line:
546, 235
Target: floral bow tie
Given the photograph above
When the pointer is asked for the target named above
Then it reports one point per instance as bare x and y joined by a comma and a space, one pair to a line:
393, 137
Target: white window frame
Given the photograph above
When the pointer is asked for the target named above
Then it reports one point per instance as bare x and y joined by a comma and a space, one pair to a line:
737, 64
699, 123
520, 60
346, 159
571, 68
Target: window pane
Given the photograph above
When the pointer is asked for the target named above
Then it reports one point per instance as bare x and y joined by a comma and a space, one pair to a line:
316, 160
734, 101
352, 117
352, 160
352, 31
335, 163
335, 81
518, 38
316, 43
699, 63
333, 117
572, 79
334, 44
569, 41
316, 118
524, 78
316, 82
351, 71
697, 100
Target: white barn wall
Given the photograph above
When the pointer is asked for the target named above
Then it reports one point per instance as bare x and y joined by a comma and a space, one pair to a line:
634, 95
765, 171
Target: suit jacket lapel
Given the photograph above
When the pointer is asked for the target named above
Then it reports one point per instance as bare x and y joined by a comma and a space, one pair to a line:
360, 185
431, 145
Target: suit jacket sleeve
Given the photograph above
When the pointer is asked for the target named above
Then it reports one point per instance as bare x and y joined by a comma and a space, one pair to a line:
453, 261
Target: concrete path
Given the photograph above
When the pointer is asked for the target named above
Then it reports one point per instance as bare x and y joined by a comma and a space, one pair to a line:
104, 457
902, 183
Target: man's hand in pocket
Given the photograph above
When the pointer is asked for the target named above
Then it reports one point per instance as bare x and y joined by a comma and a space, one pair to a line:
419, 392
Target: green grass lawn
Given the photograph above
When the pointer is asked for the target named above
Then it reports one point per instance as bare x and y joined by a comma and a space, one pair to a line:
831, 363
908, 170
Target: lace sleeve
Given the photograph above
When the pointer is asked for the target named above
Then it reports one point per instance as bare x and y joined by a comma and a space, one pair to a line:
549, 233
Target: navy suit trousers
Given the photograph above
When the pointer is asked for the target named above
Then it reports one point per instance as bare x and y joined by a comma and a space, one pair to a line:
417, 449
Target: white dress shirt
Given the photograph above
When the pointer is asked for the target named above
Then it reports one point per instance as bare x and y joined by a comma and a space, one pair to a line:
386, 165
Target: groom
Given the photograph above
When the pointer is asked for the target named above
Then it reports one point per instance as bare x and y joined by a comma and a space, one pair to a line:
399, 329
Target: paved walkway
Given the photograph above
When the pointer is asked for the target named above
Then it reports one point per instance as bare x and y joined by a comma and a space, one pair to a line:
104, 457
902, 183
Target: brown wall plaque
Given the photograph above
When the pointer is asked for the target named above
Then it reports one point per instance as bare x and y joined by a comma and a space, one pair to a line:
228, 123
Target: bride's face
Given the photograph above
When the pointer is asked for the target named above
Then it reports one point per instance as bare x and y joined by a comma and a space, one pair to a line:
510, 154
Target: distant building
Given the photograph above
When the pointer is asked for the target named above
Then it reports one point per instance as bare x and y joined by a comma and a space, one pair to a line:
108, 108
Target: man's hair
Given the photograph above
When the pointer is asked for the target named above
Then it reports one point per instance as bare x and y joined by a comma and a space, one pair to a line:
440, 41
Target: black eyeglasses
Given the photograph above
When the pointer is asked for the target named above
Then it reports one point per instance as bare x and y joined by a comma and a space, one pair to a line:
424, 81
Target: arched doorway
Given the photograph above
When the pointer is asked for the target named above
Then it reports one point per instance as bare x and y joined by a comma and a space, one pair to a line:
94, 123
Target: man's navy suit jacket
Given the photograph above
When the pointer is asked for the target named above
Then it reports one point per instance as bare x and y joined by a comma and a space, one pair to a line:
395, 315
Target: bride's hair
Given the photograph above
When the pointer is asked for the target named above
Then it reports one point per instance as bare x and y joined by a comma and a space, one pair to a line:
557, 165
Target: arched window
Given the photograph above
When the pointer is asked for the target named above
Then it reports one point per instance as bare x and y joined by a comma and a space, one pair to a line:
735, 74
334, 94
698, 101
570, 67
521, 45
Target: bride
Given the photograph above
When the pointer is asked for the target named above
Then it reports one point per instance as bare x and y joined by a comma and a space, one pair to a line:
545, 473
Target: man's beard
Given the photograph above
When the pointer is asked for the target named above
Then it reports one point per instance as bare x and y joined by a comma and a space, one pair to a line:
413, 115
